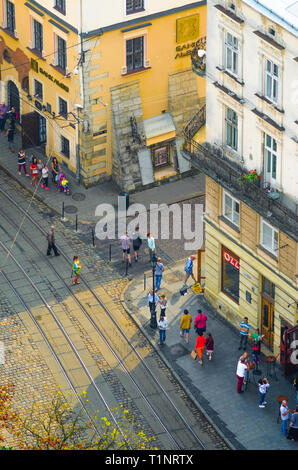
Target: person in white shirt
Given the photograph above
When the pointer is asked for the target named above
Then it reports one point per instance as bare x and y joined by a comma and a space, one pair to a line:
45, 177
240, 373
284, 414
150, 300
263, 385
151, 245
162, 325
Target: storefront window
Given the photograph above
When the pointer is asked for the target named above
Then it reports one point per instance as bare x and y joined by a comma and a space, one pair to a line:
230, 274
160, 155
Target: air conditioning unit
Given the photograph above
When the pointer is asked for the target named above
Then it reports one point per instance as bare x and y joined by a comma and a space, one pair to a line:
124, 70
147, 64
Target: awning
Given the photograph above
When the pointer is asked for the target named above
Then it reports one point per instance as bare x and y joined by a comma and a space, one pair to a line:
159, 128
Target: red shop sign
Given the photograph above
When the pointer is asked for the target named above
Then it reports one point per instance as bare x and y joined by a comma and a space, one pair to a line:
231, 260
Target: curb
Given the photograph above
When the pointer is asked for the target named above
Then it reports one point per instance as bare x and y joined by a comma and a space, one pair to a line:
175, 375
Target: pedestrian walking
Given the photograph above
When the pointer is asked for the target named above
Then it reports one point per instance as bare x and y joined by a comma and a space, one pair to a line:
13, 116
136, 243
185, 323
189, 268
244, 330
51, 242
263, 386
152, 300
200, 322
240, 374
284, 414
45, 178
39, 167
162, 326
56, 169
163, 304
200, 345
245, 359
125, 242
22, 162
209, 345
10, 136
34, 171
256, 346
293, 429
76, 269
3, 116
158, 273
151, 245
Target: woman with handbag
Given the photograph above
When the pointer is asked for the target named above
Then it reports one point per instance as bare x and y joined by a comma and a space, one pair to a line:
34, 171
200, 345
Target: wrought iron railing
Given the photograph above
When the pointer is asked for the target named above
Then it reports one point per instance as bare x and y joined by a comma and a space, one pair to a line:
214, 163
195, 124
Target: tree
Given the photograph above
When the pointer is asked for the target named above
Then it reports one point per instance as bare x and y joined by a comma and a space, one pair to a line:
9, 419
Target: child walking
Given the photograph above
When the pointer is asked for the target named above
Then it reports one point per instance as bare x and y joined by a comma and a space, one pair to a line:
76, 268
263, 385
209, 345
45, 178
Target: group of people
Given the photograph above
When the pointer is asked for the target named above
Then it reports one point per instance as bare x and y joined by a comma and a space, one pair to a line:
39, 171
11, 116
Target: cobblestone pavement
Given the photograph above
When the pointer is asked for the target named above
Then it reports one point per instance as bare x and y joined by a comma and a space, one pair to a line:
213, 386
104, 277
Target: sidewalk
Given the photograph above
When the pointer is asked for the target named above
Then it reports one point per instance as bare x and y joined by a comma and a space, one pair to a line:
82, 201
213, 385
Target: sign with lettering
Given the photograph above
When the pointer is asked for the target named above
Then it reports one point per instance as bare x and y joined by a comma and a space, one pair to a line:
197, 288
231, 260
37, 69
184, 50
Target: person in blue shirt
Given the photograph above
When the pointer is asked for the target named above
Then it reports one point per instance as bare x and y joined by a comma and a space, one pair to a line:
189, 268
158, 273
244, 330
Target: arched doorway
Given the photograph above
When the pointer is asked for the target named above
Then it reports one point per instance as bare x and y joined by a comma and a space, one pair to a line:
13, 96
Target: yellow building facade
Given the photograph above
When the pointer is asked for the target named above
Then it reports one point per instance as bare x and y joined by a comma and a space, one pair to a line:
37, 51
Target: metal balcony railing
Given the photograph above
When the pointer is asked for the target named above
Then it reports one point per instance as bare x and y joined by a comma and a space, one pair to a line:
195, 124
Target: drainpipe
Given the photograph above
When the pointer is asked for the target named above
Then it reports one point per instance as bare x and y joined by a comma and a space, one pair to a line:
81, 106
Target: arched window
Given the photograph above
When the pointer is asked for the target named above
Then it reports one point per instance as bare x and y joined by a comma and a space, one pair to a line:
25, 84
6, 56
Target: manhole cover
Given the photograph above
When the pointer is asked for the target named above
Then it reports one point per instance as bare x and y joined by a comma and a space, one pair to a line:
78, 197
70, 209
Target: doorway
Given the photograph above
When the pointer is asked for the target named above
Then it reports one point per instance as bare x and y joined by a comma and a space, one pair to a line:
267, 312
13, 97
34, 130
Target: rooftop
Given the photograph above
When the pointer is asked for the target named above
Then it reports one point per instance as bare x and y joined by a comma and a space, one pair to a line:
282, 12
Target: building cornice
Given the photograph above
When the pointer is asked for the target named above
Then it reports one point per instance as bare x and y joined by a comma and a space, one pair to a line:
52, 15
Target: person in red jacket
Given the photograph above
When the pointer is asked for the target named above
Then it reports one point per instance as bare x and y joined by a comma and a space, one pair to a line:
209, 345
34, 171
200, 322
200, 345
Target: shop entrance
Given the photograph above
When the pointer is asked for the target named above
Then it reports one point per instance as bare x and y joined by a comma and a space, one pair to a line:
288, 347
267, 314
34, 130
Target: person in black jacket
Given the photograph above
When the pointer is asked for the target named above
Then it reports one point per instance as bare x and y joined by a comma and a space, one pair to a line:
51, 242
136, 243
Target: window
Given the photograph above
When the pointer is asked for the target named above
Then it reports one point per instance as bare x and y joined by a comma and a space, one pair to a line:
65, 146
10, 16
38, 36
135, 53
232, 129
269, 237
62, 107
134, 6
231, 209
271, 81
61, 53
38, 90
230, 274
60, 6
6, 56
160, 155
232, 52
25, 84
270, 159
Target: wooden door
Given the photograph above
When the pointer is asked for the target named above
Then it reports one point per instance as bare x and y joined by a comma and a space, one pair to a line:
201, 268
267, 325
30, 130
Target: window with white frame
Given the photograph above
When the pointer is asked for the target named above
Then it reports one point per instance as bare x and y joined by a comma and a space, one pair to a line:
231, 129
134, 6
269, 237
270, 159
232, 53
231, 208
271, 81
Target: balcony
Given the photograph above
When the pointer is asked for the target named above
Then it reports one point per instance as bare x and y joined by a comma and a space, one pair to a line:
269, 204
198, 57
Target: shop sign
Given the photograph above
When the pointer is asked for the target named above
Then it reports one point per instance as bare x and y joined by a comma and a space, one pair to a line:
37, 69
184, 50
231, 260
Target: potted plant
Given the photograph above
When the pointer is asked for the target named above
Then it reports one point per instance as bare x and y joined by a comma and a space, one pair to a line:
249, 180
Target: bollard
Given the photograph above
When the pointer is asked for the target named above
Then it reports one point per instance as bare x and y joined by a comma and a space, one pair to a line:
93, 241
76, 223
144, 281
62, 211
110, 253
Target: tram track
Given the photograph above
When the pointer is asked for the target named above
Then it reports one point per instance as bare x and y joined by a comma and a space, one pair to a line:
181, 421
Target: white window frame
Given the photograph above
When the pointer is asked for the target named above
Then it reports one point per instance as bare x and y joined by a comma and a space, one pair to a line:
271, 94
273, 156
232, 218
274, 238
234, 128
235, 53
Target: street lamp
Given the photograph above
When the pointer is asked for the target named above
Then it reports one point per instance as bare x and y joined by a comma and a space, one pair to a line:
153, 323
